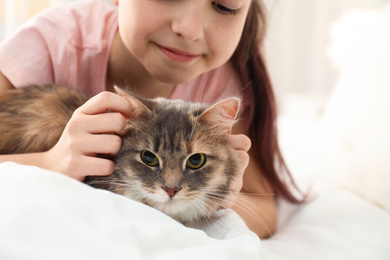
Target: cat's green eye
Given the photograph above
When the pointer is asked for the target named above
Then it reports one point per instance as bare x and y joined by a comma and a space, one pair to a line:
149, 158
196, 161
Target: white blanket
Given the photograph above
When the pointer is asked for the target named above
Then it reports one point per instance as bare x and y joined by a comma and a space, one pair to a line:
46, 215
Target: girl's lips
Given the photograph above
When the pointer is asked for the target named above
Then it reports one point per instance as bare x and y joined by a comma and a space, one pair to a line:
177, 55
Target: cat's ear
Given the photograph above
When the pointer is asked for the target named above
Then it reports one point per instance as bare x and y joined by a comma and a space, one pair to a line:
222, 115
137, 107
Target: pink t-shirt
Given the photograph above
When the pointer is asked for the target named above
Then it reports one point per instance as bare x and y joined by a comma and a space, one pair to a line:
70, 46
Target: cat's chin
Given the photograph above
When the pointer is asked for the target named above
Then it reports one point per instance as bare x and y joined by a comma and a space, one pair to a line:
170, 207
183, 211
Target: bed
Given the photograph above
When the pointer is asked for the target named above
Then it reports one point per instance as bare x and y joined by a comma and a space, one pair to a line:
342, 161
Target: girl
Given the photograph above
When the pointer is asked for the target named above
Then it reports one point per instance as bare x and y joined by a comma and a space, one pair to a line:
199, 51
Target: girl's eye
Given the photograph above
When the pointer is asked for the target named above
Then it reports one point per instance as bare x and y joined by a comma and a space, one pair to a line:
196, 161
149, 158
223, 9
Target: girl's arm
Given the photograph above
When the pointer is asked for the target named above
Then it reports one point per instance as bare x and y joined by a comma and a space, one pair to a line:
89, 132
254, 200
5, 84
256, 203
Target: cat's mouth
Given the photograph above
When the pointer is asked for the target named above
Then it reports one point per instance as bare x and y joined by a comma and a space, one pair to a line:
168, 205
166, 200
179, 207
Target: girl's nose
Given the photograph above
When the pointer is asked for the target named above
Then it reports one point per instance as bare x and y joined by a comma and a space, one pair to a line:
189, 24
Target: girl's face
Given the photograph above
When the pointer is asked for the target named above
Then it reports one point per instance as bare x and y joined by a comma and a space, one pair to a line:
177, 40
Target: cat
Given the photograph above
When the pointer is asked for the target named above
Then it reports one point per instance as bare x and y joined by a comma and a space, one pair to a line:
174, 155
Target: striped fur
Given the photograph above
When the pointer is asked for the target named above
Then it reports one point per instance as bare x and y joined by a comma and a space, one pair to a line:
32, 120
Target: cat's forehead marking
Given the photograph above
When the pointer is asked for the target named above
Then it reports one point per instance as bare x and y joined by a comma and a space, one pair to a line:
171, 128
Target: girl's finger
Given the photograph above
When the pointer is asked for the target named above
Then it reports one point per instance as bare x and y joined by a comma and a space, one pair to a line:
106, 101
104, 123
240, 142
243, 159
100, 144
92, 166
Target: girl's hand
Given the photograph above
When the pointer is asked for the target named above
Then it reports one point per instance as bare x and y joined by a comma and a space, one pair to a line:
90, 131
241, 143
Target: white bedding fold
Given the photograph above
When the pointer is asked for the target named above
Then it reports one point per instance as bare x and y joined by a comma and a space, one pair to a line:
46, 215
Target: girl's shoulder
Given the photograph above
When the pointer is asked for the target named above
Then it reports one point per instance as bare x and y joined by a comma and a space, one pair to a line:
83, 23
66, 45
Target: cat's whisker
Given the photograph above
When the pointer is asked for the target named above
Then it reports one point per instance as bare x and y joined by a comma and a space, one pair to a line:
121, 188
215, 200
125, 185
209, 215
139, 197
248, 209
251, 212
243, 205
239, 199
206, 198
227, 192
197, 204
256, 194
252, 205
254, 215
111, 182
212, 214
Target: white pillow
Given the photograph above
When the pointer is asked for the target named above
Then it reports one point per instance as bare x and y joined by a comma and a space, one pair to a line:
366, 169
47, 215
357, 119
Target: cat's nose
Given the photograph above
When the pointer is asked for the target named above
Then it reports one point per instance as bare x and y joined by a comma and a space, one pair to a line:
171, 191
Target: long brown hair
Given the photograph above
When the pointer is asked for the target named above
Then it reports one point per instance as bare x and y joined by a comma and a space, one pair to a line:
249, 64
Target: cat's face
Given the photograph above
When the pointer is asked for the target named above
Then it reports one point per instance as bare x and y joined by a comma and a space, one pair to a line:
175, 158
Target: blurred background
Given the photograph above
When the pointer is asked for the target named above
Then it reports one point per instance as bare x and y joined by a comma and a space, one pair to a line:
309, 43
